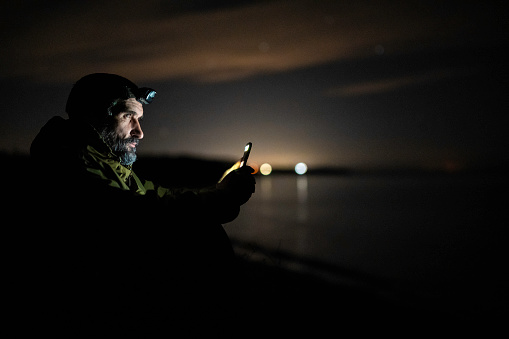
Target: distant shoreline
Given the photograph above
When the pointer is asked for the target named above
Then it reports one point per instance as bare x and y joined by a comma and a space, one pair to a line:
195, 164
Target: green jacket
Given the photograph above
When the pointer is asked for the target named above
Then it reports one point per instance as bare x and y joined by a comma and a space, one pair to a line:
101, 241
79, 167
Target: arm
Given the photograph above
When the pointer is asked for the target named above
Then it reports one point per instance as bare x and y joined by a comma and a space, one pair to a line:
219, 203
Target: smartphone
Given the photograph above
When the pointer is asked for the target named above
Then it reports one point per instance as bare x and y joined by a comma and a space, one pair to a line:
245, 156
243, 161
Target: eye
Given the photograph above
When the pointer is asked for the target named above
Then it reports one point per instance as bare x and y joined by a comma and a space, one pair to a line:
126, 116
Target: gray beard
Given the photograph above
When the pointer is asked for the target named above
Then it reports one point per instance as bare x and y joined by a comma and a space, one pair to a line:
120, 146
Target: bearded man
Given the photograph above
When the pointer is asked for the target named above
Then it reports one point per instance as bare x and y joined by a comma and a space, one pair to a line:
112, 247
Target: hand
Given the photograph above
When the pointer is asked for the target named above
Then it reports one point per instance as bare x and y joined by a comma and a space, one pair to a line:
239, 184
233, 168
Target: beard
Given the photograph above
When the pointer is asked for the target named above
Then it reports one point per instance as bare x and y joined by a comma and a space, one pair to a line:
121, 146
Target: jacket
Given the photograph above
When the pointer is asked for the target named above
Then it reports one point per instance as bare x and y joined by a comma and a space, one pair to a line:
79, 168
104, 242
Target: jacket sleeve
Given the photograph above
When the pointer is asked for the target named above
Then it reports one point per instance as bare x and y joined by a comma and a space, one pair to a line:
181, 206
206, 204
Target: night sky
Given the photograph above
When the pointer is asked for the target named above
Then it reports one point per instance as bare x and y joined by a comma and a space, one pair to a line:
330, 83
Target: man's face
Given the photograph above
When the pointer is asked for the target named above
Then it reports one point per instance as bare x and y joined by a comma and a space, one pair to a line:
124, 133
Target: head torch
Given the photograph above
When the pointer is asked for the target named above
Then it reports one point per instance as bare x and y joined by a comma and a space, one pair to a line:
146, 95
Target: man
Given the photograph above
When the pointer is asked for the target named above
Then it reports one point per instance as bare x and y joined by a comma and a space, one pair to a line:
114, 246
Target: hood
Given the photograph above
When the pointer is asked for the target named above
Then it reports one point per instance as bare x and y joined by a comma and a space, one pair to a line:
66, 149
61, 138
53, 137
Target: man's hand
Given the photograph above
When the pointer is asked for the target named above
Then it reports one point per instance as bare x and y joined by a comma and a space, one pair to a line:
239, 184
233, 168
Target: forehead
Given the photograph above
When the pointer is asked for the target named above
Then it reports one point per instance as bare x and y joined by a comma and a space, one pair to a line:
134, 106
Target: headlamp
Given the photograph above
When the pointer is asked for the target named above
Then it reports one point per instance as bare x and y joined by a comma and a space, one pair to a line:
146, 95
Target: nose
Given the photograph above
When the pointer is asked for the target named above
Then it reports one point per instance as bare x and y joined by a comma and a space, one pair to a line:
136, 131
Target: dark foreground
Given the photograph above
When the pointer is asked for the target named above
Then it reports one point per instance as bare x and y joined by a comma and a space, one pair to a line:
267, 301
276, 302
261, 300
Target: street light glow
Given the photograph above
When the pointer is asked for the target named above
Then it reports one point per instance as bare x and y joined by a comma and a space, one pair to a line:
301, 168
265, 169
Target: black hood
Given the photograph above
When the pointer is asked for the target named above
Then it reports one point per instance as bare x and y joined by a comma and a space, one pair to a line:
61, 139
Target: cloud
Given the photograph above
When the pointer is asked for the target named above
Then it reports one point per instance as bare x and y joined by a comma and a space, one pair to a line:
156, 42
390, 84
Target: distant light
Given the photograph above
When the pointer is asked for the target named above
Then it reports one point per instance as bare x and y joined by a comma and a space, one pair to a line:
301, 168
265, 169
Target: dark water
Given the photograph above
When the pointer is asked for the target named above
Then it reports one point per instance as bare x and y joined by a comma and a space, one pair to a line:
439, 238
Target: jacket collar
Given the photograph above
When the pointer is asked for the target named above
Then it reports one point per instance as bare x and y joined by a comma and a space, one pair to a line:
101, 151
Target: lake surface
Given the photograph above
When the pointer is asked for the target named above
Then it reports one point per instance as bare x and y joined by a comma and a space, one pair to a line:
437, 237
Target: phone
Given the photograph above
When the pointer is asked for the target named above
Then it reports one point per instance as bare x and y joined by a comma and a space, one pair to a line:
243, 161
245, 156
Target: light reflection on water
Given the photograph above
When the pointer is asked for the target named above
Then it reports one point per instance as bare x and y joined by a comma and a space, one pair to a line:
302, 198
